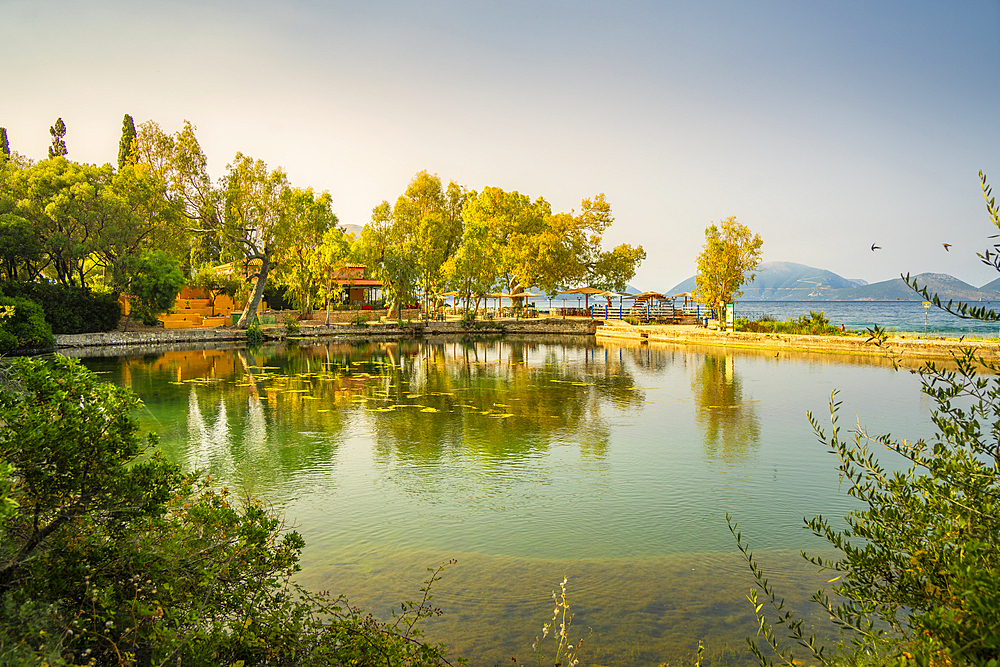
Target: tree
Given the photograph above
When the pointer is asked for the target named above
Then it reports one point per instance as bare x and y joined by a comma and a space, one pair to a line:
327, 260
918, 565
387, 257
531, 245
258, 221
613, 270
727, 261
431, 219
58, 132
311, 217
127, 146
152, 282
4, 145
20, 249
181, 164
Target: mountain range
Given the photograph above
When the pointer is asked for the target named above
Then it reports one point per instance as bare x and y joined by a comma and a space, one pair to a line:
788, 281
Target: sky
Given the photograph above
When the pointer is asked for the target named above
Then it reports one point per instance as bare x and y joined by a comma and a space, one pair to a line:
823, 127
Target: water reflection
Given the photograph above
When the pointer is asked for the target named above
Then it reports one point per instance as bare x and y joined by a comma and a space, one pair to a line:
526, 460
257, 417
728, 419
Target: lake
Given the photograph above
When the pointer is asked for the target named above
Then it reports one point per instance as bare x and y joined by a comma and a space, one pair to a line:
530, 459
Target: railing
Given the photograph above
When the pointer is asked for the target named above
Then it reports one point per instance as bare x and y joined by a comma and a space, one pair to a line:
650, 310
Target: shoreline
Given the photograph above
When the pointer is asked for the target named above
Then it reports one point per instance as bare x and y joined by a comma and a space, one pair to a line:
902, 346
611, 330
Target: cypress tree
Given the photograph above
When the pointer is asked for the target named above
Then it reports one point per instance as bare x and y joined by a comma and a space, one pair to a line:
58, 132
4, 146
127, 145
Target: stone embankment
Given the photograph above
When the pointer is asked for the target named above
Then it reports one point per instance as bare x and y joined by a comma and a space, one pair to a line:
856, 344
210, 337
605, 331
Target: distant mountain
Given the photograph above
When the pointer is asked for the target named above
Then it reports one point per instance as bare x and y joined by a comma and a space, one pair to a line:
788, 281
945, 286
992, 288
353, 229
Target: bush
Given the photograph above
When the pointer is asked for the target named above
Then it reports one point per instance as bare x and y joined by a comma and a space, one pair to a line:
360, 320
291, 324
918, 566
23, 325
69, 310
815, 324
155, 281
112, 557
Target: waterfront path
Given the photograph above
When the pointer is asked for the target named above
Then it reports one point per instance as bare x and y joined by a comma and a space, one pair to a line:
900, 346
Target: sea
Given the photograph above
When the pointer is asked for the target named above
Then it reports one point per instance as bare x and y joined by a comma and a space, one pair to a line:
901, 317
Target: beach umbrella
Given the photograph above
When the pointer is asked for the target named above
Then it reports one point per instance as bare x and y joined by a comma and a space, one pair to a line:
585, 291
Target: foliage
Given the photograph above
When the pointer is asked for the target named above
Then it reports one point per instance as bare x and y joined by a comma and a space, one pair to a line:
468, 319
24, 327
918, 565
113, 557
58, 132
88, 218
255, 335
20, 248
127, 146
155, 281
313, 218
727, 260
215, 282
69, 310
815, 323
4, 144
359, 320
291, 324
327, 261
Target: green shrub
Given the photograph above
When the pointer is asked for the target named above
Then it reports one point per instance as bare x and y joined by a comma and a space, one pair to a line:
255, 335
291, 324
69, 310
23, 325
815, 324
917, 570
359, 320
155, 281
113, 557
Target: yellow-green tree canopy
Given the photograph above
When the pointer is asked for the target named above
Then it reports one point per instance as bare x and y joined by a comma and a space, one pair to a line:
728, 259
516, 243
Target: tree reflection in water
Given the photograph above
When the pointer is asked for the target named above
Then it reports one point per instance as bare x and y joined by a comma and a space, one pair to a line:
729, 420
256, 418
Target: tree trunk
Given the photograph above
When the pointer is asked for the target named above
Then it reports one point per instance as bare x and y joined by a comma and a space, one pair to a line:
258, 291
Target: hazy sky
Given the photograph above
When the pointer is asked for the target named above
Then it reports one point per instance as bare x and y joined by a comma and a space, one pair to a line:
825, 127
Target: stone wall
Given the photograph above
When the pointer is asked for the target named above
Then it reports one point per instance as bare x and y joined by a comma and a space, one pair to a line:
310, 329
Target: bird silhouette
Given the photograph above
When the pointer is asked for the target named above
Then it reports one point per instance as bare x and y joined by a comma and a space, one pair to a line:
875, 247
946, 246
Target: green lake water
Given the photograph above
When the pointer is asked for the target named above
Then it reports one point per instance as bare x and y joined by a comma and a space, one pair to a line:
527, 460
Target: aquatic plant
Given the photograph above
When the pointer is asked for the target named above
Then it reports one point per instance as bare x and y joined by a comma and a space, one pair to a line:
565, 652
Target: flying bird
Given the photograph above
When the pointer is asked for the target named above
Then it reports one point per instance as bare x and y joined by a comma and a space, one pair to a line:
875, 247
946, 246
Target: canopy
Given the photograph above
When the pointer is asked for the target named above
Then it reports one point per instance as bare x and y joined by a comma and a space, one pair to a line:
586, 292
645, 296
